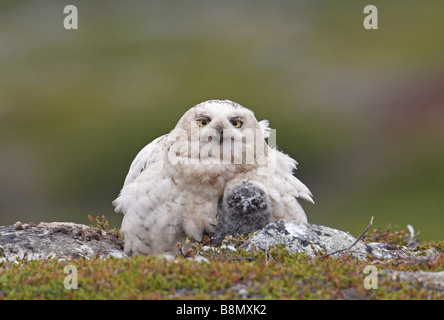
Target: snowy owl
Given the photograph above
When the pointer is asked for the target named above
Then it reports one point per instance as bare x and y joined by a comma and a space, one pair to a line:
174, 184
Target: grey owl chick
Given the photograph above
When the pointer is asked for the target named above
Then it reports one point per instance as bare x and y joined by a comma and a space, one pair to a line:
245, 209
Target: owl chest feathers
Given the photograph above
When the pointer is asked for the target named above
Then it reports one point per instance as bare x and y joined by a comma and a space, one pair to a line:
188, 194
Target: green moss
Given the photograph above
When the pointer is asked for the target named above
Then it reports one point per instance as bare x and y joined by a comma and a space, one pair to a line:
437, 245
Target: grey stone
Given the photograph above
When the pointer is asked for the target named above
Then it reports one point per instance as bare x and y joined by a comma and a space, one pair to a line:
57, 240
70, 241
428, 280
313, 238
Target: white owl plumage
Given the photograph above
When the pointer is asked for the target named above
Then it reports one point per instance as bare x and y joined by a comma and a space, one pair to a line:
172, 188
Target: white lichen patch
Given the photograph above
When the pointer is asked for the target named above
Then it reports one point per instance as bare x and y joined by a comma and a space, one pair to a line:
308, 238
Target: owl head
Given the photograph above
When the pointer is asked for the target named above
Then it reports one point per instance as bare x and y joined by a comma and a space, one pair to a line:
247, 199
221, 132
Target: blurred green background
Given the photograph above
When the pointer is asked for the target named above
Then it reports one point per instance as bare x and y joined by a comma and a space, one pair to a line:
362, 111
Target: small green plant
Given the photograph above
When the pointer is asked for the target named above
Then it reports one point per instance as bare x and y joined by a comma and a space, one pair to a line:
101, 223
389, 236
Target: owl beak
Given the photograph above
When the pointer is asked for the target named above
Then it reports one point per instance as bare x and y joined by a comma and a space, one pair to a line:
220, 132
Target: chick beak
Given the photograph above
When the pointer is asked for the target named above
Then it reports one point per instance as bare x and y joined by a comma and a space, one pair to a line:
245, 206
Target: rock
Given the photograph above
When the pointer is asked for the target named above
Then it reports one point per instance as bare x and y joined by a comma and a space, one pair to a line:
57, 240
428, 280
71, 241
241, 290
313, 238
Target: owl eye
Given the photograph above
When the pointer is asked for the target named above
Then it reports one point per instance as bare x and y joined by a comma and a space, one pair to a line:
236, 123
203, 122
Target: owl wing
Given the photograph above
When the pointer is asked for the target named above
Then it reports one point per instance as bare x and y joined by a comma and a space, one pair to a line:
287, 189
279, 183
149, 155
266, 130
148, 201
284, 168
283, 175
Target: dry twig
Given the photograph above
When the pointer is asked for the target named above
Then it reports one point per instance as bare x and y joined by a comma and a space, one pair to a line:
353, 244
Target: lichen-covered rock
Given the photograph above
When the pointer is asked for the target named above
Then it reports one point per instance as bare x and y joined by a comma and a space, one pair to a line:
313, 238
57, 240
305, 237
428, 280
71, 241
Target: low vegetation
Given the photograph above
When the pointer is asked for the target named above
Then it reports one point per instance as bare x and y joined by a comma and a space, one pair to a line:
202, 272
